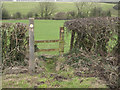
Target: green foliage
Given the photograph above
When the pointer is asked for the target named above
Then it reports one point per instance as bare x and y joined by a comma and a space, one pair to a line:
23, 84
43, 86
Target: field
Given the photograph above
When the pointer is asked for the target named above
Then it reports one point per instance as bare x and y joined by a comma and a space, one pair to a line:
25, 7
47, 30
53, 72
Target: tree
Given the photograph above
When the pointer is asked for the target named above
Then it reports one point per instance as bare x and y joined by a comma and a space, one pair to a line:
84, 8
46, 9
30, 14
5, 14
17, 15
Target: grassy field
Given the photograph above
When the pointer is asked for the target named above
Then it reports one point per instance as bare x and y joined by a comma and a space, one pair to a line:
47, 30
25, 7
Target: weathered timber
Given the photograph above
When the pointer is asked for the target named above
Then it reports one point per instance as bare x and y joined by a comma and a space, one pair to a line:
46, 41
48, 50
31, 46
61, 43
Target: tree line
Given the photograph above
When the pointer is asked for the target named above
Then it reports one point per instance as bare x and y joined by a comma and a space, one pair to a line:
48, 10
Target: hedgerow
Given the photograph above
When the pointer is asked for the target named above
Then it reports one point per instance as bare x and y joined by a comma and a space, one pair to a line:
14, 43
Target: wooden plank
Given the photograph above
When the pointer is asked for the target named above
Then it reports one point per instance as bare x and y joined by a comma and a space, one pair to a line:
46, 41
61, 43
40, 50
31, 46
72, 39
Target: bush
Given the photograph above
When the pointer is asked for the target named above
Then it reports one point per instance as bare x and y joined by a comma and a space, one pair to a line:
14, 43
29, 14
5, 14
36, 16
98, 12
60, 16
17, 15
71, 14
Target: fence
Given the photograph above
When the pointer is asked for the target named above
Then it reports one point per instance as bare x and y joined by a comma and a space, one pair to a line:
32, 42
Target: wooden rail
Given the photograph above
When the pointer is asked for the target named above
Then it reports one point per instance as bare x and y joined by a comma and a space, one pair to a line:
57, 49
46, 41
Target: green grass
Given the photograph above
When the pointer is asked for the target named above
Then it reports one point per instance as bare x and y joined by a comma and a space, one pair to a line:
47, 30
28, 81
25, 7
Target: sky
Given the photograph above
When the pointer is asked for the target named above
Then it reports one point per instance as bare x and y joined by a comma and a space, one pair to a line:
71, 0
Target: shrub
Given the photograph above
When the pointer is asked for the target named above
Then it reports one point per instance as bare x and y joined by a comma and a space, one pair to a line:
60, 16
36, 16
71, 14
14, 43
17, 15
30, 14
5, 14
98, 12
24, 16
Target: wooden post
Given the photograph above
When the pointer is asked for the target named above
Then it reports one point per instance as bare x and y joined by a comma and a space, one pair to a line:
61, 43
72, 40
0, 54
31, 46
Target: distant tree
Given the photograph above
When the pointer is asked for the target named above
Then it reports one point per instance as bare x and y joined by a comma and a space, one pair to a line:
71, 14
17, 15
5, 14
46, 9
84, 8
96, 12
36, 15
30, 14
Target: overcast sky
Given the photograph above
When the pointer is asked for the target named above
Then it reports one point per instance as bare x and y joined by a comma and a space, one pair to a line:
70, 0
